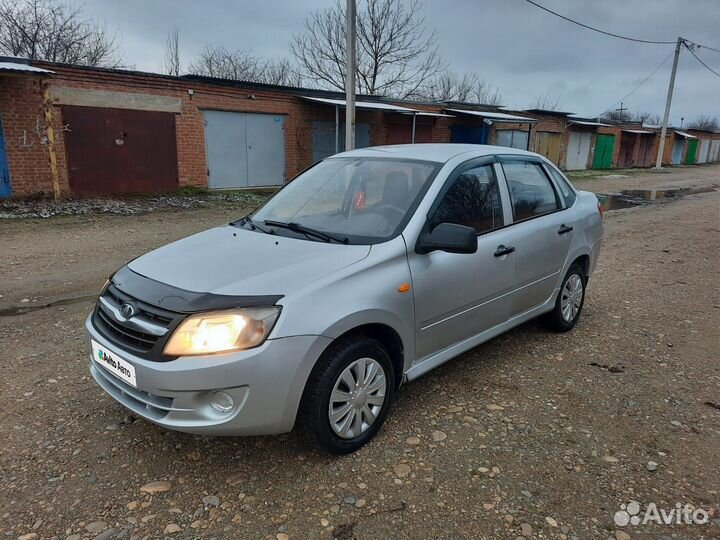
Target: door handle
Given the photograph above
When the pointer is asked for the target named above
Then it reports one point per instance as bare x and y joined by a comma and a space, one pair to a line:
564, 229
503, 250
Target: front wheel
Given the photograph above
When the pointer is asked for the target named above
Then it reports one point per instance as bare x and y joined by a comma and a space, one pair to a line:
348, 395
569, 303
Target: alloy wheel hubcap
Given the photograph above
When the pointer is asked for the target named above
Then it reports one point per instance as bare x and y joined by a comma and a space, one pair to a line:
572, 296
357, 398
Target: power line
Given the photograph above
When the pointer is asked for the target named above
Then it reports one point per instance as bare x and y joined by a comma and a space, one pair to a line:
646, 79
703, 46
698, 59
597, 29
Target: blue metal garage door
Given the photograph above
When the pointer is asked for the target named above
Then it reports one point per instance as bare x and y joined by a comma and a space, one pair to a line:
323, 138
5, 185
469, 134
244, 149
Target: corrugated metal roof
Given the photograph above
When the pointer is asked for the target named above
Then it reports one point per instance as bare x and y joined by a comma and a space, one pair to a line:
586, 123
640, 131
363, 104
496, 116
683, 134
426, 113
14, 67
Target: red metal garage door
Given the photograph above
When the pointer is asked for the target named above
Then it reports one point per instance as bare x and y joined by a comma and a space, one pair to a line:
120, 150
402, 133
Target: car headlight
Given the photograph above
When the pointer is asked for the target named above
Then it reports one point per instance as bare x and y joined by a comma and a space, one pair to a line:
222, 331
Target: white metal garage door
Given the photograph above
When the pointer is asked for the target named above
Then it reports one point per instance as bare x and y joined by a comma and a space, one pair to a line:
578, 150
244, 149
677, 151
714, 152
704, 151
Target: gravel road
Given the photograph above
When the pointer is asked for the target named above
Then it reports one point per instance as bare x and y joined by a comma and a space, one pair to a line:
532, 435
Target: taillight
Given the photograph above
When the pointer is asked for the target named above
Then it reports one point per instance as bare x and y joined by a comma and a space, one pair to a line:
600, 209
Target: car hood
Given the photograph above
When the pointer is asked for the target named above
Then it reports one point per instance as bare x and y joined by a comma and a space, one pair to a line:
233, 261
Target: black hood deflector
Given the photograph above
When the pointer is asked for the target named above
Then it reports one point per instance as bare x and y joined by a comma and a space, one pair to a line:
178, 300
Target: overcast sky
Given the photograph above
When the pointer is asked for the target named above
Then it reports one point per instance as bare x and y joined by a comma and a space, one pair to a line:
517, 47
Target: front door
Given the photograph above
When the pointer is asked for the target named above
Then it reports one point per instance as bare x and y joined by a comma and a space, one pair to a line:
458, 296
540, 233
5, 185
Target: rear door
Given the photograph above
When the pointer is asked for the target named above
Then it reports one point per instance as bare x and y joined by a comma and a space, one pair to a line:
540, 232
458, 296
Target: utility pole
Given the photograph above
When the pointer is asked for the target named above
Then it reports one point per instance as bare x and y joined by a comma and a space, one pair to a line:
350, 77
663, 131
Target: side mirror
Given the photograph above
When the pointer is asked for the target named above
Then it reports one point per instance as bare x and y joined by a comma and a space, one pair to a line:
448, 237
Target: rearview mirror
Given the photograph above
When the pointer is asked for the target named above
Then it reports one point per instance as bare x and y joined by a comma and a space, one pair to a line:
448, 237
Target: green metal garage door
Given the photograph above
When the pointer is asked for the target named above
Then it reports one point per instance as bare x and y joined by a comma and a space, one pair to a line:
690, 157
604, 146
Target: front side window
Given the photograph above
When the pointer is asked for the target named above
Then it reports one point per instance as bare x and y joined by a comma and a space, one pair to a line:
531, 192
473, 200
359, 200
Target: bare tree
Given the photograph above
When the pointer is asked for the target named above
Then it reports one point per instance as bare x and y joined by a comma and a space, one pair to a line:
546, 103
224, 64
618, 117
281, 72
171, 62
487, 94
451, 86
241, 65
705, 122
50, 30
396, 54
648, 118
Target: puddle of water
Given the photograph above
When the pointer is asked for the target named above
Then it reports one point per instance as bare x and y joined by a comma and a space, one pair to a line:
629, 198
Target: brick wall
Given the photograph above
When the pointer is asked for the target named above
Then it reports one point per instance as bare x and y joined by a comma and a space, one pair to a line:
22, 111
23, 123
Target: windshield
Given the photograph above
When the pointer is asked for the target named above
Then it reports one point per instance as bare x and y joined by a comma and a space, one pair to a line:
361, 200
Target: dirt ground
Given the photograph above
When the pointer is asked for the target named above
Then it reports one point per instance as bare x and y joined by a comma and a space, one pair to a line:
532, 435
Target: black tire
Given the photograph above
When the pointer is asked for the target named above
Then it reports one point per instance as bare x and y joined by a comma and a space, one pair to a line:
314, 407
554, 320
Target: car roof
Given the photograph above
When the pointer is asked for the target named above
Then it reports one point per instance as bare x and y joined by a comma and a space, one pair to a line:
438, 152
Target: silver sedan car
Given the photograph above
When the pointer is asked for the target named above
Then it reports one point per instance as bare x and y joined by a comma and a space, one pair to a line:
366, 271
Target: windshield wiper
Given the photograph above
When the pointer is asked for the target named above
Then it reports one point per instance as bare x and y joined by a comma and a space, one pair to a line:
254, 226
307, 231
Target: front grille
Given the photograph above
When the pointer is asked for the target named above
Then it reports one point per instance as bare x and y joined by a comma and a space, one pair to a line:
138, 340
130, 336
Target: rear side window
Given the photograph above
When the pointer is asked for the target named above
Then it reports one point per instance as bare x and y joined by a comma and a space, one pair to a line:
531, 192
473, 200
567, 192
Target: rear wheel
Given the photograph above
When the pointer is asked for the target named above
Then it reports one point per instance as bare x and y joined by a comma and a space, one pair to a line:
570, 301
348, 395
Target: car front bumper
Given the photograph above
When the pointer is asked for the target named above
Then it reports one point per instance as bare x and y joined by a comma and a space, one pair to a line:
266, 384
